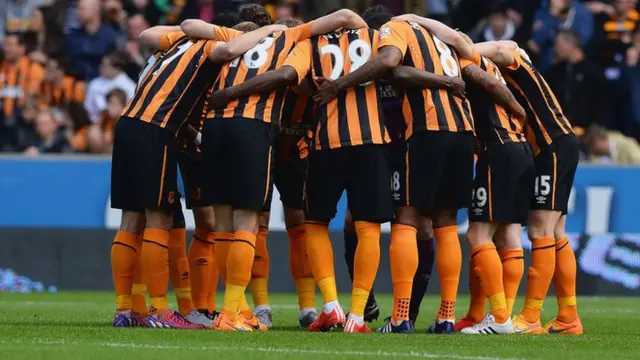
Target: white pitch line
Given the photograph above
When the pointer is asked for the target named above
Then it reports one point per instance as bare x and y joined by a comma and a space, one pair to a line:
278, 350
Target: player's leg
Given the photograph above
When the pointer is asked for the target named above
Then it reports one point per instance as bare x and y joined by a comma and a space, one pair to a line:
324, 187
368, 173
299, 266
251, 153
371, 310
202, 261
178, 262
564, 277
127, 244
509, 243
259, 284
426, 257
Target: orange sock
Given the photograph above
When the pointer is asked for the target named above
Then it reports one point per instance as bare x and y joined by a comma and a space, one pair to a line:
200, 264
478, 301
365, 264
449, 264
403, 254
512, 271
300, 269
222, 246
321, 260
543, 263
155, 260
124, 252
564, 280
139, 292
239, 263
489, 269
179, 270
213, 285
259, 284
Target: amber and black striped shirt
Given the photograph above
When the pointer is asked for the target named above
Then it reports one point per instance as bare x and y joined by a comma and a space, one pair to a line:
355, 116
545, 121
269, 54
493, 123
18, 80
71, 90
170, 90
428, 109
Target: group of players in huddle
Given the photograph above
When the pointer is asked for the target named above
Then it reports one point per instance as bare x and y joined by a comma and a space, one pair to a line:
391, 110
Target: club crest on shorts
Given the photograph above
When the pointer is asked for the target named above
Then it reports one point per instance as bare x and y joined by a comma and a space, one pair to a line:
171, 197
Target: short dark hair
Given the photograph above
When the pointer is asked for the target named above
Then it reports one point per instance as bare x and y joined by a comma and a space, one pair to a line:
290, 23
227, 19
120, 94
118, 59
376, 16
22, 40
571, 36
246, 26
255, 13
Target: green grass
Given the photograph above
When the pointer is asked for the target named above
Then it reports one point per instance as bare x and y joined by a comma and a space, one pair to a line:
78, 326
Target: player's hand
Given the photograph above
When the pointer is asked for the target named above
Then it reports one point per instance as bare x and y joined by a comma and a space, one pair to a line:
327, 91
277, 27
457, 87
219, 99
406, 17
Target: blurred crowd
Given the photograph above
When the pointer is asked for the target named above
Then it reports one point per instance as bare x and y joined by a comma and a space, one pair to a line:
68, 67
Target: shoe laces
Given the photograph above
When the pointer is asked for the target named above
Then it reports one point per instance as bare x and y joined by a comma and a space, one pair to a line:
488, 320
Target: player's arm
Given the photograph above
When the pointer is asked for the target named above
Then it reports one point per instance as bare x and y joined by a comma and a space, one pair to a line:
343, 18
153, 37
224, 52
199, 29
411, 77
442, 32
263, 83
497, 52
498, 91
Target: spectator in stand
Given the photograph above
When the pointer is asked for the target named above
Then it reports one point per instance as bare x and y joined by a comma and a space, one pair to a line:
89, 44
20, 78
112, 76
50, 139
549, 20
201, 9
577, 82
613, 48
59, 88
16, 14
221, 6
47, 35
137, 53
153, 10
498, 26
611, 147
633, 60
100, 135
116, 17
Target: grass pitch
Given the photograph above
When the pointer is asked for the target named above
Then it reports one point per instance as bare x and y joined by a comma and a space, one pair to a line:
78, 326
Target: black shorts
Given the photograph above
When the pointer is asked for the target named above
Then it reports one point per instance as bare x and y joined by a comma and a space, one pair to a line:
144, 167
363, 171
504, 179
440, 170
398, 162
289, 173
555, 169
191, 170
237, 157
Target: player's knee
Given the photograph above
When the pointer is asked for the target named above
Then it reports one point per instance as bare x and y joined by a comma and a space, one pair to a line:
205, 218
348, 222
479, 233
541, 224
132, 222
445, 217
509, 237
407, 215
178, 219
264, 219
246, 220
223, 219
158, 219
293, 217
426, 229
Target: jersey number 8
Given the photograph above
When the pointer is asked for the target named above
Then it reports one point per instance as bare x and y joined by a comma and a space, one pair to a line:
256, 56
449, 63
359, 53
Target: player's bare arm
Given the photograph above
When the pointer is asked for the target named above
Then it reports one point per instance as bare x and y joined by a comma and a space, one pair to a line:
496, 52
152, 37
344, 18
411, 77
263, 83
198, 29
388, 58
241, 44
498, 91
443, 32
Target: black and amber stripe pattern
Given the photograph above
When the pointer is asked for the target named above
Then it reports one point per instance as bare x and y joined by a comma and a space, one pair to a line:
169, 92
545, 119
355, 117
493, 123
71, 90
17, 81
433, 109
